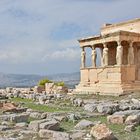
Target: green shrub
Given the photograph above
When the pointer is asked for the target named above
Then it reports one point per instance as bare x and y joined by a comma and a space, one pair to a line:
60, 84
44, 81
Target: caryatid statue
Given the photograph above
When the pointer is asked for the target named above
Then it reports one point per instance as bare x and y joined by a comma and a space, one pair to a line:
119, 54
83, 58
93, 57
105, 56
131, 54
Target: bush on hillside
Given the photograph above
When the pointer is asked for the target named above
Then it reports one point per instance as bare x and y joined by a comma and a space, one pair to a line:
44, 81
60, 84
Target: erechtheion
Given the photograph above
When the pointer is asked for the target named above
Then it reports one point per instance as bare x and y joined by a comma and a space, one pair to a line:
119, 48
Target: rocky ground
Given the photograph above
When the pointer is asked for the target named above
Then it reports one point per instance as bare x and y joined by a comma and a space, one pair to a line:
33, 116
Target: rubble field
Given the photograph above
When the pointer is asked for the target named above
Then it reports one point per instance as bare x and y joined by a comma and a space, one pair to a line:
34, 116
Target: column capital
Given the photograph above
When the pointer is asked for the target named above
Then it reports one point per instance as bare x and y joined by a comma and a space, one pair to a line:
119, 43
105, 44
131, 42
83, 49
93, 47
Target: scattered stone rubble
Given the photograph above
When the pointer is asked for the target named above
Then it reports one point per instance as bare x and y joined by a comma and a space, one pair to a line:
14, 118
51, 88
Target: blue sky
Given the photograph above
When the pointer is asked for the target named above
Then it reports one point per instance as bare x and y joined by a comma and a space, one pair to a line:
40, 36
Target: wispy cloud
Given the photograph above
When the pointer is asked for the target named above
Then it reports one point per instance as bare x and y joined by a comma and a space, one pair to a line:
67, 54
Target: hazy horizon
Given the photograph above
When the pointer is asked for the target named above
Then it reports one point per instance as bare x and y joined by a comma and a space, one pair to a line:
51, 74
40, 36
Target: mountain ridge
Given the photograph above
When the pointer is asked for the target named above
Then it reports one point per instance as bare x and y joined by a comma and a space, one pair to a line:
30, 80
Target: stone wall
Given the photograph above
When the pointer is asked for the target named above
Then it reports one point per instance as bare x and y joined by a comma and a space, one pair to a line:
108, 74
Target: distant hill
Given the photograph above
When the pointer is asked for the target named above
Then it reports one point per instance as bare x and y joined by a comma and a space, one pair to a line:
22, 80
71, 79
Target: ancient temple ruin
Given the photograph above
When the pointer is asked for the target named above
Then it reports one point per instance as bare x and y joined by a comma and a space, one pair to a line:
119, 49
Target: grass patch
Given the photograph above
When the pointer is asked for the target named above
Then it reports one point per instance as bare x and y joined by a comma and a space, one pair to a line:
18, 100
98, 118
31, 119
119, 132
45, 108
107, 97
100, 97
118, 129
67, 126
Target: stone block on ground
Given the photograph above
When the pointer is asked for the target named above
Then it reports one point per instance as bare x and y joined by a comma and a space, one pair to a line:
53, 135
49, 87
35, 115
23, 124
60, 118
135, 101
107, 108
4, 128
73, 117
39, 89
78, 102
34, 125
130, 128
102, 132
90, 107
50, 125
133, 119
127, 112
116, 119
78, 135
17, 118
83, 124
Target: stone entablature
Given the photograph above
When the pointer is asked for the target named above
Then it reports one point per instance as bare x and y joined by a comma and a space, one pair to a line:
116, 36
120, 61
130, 26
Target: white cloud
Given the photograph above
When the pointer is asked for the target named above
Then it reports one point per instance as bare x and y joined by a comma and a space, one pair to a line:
63, 55
26, 27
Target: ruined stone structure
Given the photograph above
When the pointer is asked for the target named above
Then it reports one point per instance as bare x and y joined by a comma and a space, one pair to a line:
119, 48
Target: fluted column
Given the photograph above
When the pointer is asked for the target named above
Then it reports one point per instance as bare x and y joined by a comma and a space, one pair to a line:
131, 53
83, 58
119, 54
105, 55
93, 57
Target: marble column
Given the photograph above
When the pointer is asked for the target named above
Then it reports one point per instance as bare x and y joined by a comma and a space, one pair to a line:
105, 55
119, 54
93, 57
83, 58
130, 54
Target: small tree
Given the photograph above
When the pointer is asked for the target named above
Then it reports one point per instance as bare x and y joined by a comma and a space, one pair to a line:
44, 81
